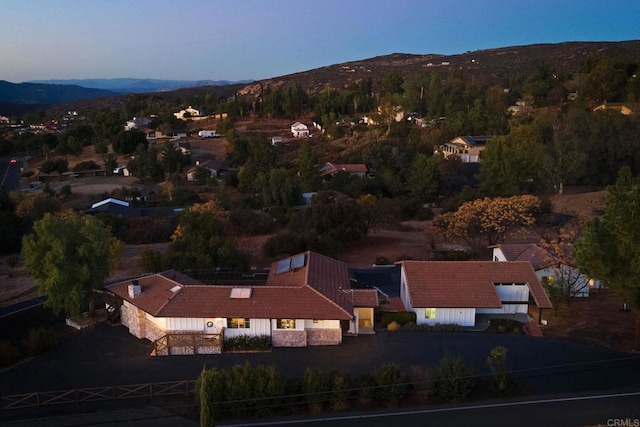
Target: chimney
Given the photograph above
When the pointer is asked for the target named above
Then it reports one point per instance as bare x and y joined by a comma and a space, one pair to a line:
134, 289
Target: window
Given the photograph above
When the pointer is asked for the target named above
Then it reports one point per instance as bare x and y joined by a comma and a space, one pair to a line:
318, 321
238, 323
286, 323
429, 313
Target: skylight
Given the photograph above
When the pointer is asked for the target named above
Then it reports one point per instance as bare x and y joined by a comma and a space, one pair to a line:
176, 288
240, 293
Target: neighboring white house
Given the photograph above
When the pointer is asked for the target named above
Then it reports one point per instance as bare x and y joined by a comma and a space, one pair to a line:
467, 148
192, 112
299, 130
454, 292
211, 165
547, 268
136, 123
307, 300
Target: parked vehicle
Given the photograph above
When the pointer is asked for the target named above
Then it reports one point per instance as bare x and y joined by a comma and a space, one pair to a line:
208, 134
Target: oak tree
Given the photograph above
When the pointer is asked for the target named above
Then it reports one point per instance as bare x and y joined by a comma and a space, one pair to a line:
487, 221
70, 257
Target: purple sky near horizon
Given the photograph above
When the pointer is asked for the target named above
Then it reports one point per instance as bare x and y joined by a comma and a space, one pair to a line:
256, 39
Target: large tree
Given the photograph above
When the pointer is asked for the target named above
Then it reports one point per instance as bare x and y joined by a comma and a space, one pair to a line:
609, 248
487, 221
201, 246
70, 257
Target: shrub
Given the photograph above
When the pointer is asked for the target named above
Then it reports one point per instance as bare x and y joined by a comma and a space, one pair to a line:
452, 378
401, 317
420, 378
516, 331
247, 343
151, 261
365, 385
447, 327
39, 340
315, 386
389, 382
248, 221
58, 165
86, 166
340, 384
393, 326
284, 244
502, 329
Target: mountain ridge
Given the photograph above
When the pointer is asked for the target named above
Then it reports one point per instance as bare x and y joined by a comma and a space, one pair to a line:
136, 85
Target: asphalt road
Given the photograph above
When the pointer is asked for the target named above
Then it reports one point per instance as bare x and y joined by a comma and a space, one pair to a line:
563, 411
10, 173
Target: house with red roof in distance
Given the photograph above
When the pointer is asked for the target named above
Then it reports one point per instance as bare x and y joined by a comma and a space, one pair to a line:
547, 267
457, 292
307, 300
354, 169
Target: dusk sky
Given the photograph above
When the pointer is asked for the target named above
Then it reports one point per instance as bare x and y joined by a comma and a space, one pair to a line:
251, 39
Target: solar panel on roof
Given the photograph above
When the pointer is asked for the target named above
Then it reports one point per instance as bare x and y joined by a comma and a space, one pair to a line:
298, 261
283, 266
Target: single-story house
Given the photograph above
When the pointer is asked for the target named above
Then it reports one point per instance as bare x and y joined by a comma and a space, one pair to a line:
188, 112
467, 148
137, 122
211, 165
546, 266
455, 292
299, 130
155, 134
356, 169
123, 209
306, 300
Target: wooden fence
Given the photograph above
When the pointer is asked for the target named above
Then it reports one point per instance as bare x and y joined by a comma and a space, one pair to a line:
199, 343
118, 392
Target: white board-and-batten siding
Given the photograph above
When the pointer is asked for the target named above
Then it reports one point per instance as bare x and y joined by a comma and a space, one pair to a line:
447, 316
507, 293
257, 327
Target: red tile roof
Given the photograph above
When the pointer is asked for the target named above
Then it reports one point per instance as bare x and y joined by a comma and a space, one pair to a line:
538, 257
319, 289
332, 168
467, 284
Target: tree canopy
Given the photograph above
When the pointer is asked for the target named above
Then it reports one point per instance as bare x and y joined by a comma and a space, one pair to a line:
609, 250
487, 221
70, 258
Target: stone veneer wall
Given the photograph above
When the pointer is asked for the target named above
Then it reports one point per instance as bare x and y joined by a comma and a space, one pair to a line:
288, 338
153, 332
324, 336
133, 318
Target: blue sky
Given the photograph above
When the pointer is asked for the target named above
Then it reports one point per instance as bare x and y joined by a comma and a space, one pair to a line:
251, 39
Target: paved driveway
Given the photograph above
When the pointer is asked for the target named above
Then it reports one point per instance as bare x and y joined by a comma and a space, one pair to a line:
108, 355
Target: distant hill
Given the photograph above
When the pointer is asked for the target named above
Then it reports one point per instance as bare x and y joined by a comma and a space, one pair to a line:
129, 85
32, 93
495, 66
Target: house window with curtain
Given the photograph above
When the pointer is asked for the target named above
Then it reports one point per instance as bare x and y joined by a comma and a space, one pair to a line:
286, 323
429, 313
238, 323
